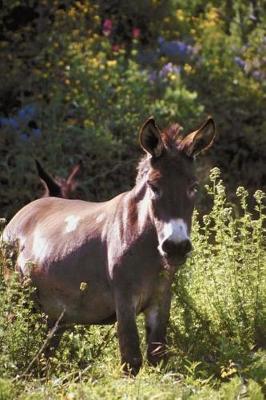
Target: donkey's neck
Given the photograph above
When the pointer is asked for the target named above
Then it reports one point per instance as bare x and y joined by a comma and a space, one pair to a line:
136, 213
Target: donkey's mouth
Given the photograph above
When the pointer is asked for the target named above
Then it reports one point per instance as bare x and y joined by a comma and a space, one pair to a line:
176, 260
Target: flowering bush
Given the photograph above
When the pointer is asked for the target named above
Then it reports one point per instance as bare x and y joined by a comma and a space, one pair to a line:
91, 99
93, 72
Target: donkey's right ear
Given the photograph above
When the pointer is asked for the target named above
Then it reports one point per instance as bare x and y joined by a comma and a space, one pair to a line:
150, 138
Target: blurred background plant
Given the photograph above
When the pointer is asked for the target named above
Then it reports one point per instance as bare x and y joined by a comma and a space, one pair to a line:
78, 78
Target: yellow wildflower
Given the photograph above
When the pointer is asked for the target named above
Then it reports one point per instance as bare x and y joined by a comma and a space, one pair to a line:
96, 18
212, 18
172, 77
111, 63
187, 68
71, 12
94, 62
180, 15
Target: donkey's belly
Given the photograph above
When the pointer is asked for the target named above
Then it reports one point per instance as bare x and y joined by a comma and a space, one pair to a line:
78, 283
83, 302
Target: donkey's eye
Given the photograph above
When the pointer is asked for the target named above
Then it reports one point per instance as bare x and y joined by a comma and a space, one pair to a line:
154, 188
193, 190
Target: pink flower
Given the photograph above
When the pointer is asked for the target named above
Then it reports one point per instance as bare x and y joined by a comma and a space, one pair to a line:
116, 47
107, 27
135, 33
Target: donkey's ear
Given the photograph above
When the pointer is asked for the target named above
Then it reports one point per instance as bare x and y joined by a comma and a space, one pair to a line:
51, 186
71, 179
150, 138
199, 140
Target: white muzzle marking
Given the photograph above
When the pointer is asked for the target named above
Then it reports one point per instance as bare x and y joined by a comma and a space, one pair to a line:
174, 230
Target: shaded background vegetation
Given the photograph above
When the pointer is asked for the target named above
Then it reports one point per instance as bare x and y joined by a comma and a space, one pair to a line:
78, 78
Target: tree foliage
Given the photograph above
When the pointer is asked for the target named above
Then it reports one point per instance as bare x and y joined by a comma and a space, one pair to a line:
79, 77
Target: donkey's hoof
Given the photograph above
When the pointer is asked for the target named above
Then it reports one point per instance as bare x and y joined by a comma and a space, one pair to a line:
132, 367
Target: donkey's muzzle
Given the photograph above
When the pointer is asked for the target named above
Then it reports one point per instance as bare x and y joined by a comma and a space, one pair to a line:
180, 249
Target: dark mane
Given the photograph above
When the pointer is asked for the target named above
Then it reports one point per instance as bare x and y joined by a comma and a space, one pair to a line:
171, 138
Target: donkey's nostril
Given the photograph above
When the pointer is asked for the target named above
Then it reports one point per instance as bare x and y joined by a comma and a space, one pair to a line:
169, 247
185, 246
174, 249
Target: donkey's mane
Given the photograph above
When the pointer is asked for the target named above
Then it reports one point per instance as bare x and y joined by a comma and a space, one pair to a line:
171, 138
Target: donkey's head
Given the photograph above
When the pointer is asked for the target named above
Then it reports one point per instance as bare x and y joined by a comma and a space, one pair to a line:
168, 173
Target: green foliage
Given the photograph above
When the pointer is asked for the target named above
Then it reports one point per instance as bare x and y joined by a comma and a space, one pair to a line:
228, 74
17, 319
90, 101
219, 311
92, 89
7, 391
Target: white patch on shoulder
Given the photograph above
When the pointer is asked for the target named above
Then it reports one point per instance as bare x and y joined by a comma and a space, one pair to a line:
71, 223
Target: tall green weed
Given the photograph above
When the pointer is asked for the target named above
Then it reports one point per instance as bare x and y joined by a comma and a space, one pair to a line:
219, 304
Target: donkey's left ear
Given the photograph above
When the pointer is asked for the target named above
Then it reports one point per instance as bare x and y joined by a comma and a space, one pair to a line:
199, 140
150, 138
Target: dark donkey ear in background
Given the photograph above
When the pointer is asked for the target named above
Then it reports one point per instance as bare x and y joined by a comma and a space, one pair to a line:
51, 186
150, 138
71, 180
199, 140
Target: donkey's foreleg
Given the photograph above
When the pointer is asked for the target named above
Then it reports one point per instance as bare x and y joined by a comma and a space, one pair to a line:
128, 337
156, 321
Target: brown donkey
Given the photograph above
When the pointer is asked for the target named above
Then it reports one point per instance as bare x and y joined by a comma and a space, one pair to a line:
102, 262
58, 187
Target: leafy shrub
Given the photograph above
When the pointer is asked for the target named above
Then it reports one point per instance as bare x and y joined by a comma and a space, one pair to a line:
21, 327
218, 311
91, 106
227, 73
84, 91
